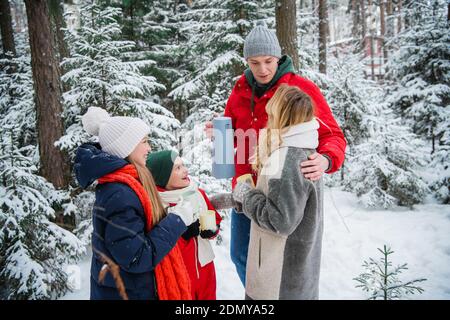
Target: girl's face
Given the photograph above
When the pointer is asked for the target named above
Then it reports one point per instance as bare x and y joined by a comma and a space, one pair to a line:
179, 176
140, 152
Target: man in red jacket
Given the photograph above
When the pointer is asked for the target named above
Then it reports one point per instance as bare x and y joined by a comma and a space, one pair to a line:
246, 106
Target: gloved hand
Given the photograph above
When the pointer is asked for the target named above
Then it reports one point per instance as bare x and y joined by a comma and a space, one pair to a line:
222, 201
208, 234
240, 190
184, 210
193, 230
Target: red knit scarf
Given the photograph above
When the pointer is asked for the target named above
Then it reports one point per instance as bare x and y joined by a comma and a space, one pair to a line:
172, 279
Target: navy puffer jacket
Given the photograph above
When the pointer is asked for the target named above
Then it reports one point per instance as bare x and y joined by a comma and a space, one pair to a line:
119, 229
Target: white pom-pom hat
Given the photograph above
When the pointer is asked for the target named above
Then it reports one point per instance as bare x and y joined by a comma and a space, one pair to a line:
117, 135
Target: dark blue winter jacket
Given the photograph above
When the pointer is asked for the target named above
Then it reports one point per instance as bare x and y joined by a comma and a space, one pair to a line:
119, 229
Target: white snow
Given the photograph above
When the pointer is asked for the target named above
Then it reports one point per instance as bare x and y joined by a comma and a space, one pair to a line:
352, 234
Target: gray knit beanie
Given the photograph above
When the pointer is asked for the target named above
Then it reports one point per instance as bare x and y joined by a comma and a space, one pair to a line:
261, 42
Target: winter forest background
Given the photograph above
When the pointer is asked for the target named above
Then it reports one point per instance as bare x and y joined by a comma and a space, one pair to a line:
383, 65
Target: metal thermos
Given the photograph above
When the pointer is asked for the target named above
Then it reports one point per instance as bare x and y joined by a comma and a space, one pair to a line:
223, 148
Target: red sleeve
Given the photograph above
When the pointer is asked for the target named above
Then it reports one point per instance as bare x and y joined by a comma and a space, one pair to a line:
229, 109
331, 139
227, 112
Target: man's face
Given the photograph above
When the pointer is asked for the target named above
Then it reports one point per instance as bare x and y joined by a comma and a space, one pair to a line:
263, 68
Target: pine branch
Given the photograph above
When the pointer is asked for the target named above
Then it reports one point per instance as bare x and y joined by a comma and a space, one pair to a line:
409, 285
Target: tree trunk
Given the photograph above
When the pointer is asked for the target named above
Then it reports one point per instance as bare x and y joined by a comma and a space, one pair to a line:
355, 19
389, 20
399, 20
56, 11
383, 30
323, 27
371, 19
240, 14
362, 7
6, 28
53, 163
286, 25
57, 17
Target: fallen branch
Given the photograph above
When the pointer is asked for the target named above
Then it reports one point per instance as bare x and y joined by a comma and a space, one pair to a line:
114, 269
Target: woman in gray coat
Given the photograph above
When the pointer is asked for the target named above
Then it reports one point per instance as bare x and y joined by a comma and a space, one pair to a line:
286, 210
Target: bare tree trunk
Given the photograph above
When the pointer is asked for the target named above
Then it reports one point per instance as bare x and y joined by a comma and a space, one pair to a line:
240, 14
323, 27
54, 163
57, 17
355, 19
362, 8
6, 28
335, 29
390, 29
286, 25
383, 30
389, 20
399, 20
371, 19
56, 11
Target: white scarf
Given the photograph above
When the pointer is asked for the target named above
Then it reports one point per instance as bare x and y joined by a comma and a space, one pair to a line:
205, 251
302, 135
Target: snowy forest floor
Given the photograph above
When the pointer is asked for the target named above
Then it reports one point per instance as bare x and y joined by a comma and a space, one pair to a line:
352, 234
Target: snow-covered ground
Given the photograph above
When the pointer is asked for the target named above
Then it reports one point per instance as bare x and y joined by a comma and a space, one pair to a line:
419, 237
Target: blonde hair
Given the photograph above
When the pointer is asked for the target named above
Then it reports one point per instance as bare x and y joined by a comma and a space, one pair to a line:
146, 178
288, 106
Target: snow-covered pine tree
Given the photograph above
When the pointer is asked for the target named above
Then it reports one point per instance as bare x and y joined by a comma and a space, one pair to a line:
420, 92
163, 42
383, 169
382, 281
99, 73
33, 250
350, 96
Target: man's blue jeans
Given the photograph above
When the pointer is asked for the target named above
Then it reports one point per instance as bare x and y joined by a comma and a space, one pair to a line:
240, 237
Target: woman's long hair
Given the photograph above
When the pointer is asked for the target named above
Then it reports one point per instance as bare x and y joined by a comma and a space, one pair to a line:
149, 185
288, 106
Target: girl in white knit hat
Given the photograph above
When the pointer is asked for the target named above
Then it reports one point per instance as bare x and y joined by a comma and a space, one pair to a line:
130, 225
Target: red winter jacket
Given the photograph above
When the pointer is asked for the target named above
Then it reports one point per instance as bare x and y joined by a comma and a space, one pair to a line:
203, 279
331, 139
